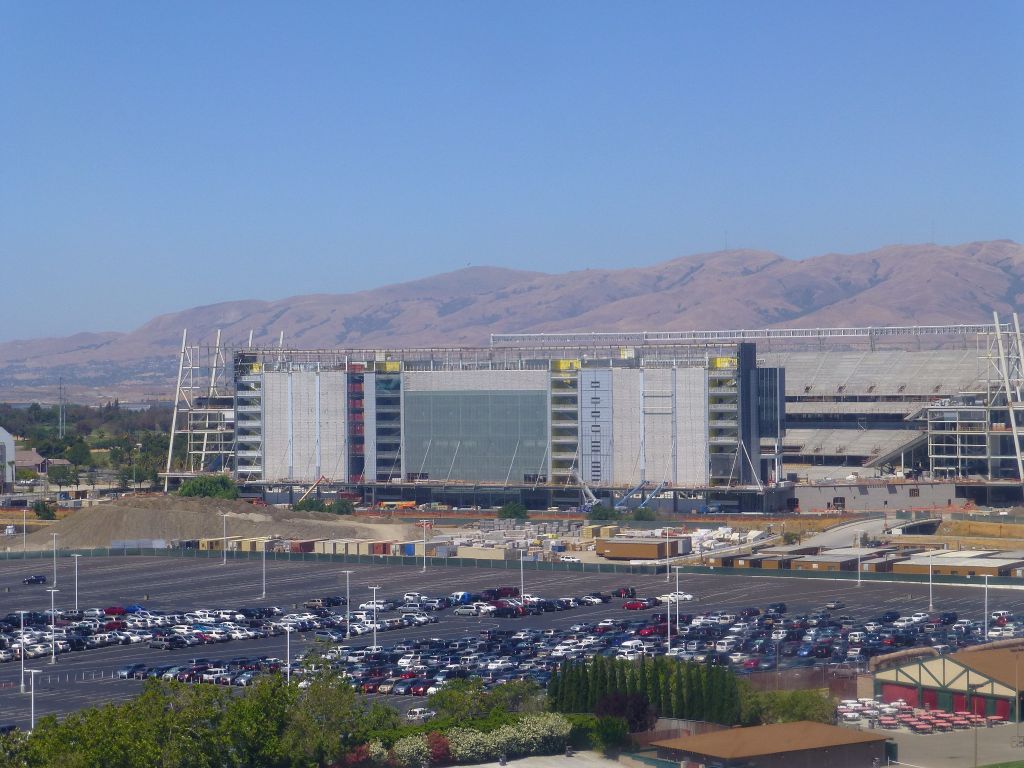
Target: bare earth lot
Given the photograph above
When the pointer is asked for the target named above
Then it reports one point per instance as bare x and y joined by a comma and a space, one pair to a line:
173, 517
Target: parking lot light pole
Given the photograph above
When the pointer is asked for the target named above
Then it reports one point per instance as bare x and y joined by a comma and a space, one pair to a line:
263, 593
21, 649
53, 626
288, 654
424, 524
931, 605
985, 617
24, 534
32, 710
76, 581
224, 546
55, 559
348, 607
522, 575
374, 589
860, 542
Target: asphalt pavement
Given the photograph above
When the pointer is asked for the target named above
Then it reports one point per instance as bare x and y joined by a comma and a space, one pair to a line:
84, 678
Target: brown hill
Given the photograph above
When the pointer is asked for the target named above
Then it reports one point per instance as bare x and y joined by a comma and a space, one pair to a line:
906, 284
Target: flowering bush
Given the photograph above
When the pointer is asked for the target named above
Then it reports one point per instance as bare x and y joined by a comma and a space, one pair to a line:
366, 755
469, 746
411, 752
543, 734
376, 752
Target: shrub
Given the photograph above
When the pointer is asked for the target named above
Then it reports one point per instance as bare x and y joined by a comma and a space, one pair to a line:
411, 752
601, 512
610, 734
44, 510
210, 486
513, 511
439, 748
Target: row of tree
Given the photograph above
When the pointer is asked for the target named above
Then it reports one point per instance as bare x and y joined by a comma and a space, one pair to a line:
670, 687
641, 691
271, 725
130, 443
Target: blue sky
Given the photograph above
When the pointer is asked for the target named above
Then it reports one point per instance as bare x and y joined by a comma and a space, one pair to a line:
156, 156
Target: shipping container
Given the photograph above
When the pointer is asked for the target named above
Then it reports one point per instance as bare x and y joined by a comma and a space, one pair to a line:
637, 549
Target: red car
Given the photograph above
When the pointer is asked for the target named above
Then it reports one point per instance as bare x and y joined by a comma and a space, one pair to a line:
421, 687
658, 629
114, 610
371, 686
635, 605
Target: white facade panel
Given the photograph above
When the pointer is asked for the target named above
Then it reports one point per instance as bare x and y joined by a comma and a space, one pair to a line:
627, 424
691, 396
305, 426
276, 419
658, 425
304, 415
334, 425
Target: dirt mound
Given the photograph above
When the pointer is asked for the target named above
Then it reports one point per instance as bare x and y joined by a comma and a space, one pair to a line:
173, 517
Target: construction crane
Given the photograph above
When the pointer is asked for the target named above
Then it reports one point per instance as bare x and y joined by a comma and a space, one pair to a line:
652, 494
590, 499
623, 503
313, 487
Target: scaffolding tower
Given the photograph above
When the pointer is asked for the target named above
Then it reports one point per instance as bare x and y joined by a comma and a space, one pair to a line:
203, 419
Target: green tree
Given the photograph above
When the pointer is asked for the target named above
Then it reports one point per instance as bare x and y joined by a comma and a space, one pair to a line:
210, 486
679, 690
44, 510
600, 512
310, 504
62, 475
78, 454
460, 700
254, 724
515, 696
341, 507
644, 514
319, 721
513, 511
792, 706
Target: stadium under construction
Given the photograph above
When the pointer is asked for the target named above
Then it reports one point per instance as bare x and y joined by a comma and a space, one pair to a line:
687, 421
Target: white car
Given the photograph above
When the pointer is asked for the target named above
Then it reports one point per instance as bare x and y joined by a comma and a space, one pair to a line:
569, 559
677, 597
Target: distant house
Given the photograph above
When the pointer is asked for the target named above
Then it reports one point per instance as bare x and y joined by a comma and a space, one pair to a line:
48, 463
29, 459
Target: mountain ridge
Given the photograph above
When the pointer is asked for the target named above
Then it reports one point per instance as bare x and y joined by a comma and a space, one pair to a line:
739, 288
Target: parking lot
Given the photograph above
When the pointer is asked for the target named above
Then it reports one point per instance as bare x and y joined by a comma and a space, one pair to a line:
170, 584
